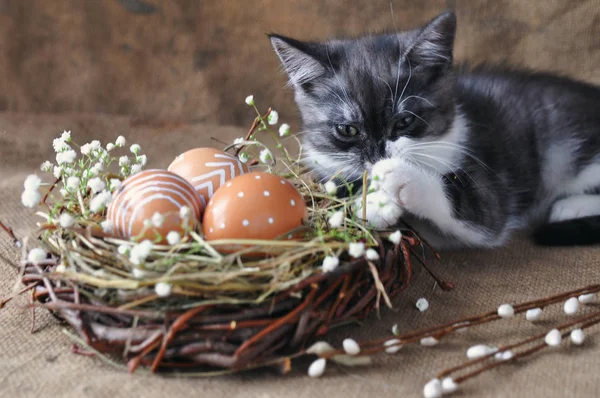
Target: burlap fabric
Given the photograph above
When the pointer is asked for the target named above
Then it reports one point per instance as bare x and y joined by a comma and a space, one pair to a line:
40, 363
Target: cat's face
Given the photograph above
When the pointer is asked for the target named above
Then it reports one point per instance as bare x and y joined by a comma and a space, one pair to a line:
371, 98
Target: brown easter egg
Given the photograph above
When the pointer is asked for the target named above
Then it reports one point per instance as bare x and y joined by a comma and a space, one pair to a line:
151, 192
254, 206
207, 169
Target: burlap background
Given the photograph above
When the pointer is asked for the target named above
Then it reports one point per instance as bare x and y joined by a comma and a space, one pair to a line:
159, 70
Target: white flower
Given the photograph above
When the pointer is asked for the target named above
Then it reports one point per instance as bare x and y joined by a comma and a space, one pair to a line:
100, 201
162, 289
351, 347
433, 389
250, 100
265, 156
96, 184
319, 348
114, 184
138, 273
86, 149
392, 346
273, 117
60, 268
32, 182
336, 220
63, 192
395, 237
429, 341
238, 141
480, 350
147, 223
533, 314
173, 238
66, 220
577, 337
136, 168
123, 250
317, 368
571, 306
396, 330
123, 161
372, 255
158, 220
110, 146
73, 183
140, 252
356, 250
553, 338
66, 136
330, 263
422, 304
107, 226
587, 298
243, 157
184, 212
284, 130
449, 385
57, 171
36, 256
98, 168
60, 145
135, 148
142, 160
504, 355
31, 198
120, 142
46, 166
506, 311
330, 187
66, 157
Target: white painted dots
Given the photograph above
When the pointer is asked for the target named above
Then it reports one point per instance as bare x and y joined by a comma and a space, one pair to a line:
271, 220
228, 184
222, 226
267, 193
257, 177
293, 202
245, 223
240, 194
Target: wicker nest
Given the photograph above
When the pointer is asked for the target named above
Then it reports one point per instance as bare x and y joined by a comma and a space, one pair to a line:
221, 312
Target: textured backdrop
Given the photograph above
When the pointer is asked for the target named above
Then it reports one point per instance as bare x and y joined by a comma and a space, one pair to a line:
159, 71
195, 60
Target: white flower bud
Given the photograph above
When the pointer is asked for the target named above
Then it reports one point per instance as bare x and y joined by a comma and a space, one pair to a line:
330, 263
173, 238
284, 130
330, 187
36, 256
336, 220
273, 117
66, 220
351, 347
533, 314
506, 311
433, 389
577, 336
317, 368
372, 255
422, 304
120, 142
571, 306
162, 289
250, 100
553, 338
395, 237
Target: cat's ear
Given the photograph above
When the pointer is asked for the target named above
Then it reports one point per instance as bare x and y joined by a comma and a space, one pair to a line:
302, 61
435, 42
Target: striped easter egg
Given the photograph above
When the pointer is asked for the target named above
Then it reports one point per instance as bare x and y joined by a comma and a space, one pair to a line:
207, 169
151, 192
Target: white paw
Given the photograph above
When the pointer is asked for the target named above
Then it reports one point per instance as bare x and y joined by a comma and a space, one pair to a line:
381, 210
575, 207
395, 192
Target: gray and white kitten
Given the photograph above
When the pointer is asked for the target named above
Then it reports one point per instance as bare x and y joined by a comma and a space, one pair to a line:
467, 157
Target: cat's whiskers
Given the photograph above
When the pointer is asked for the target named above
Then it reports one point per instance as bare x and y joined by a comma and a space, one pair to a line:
338, 79
407, 80
420, 118
418, 97
451, 166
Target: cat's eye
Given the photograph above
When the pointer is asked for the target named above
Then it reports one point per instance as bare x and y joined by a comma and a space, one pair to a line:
404, 122
346, 130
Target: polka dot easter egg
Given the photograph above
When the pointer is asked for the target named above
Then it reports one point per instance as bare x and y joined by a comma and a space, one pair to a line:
148, 206
254, 206
207, 169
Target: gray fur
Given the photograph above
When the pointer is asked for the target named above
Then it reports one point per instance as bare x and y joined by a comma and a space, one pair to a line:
505, 144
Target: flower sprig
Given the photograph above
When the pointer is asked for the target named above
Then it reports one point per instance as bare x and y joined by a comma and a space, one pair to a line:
83, 183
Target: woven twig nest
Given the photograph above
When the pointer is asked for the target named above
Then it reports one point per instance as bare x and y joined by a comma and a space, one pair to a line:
190, 305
